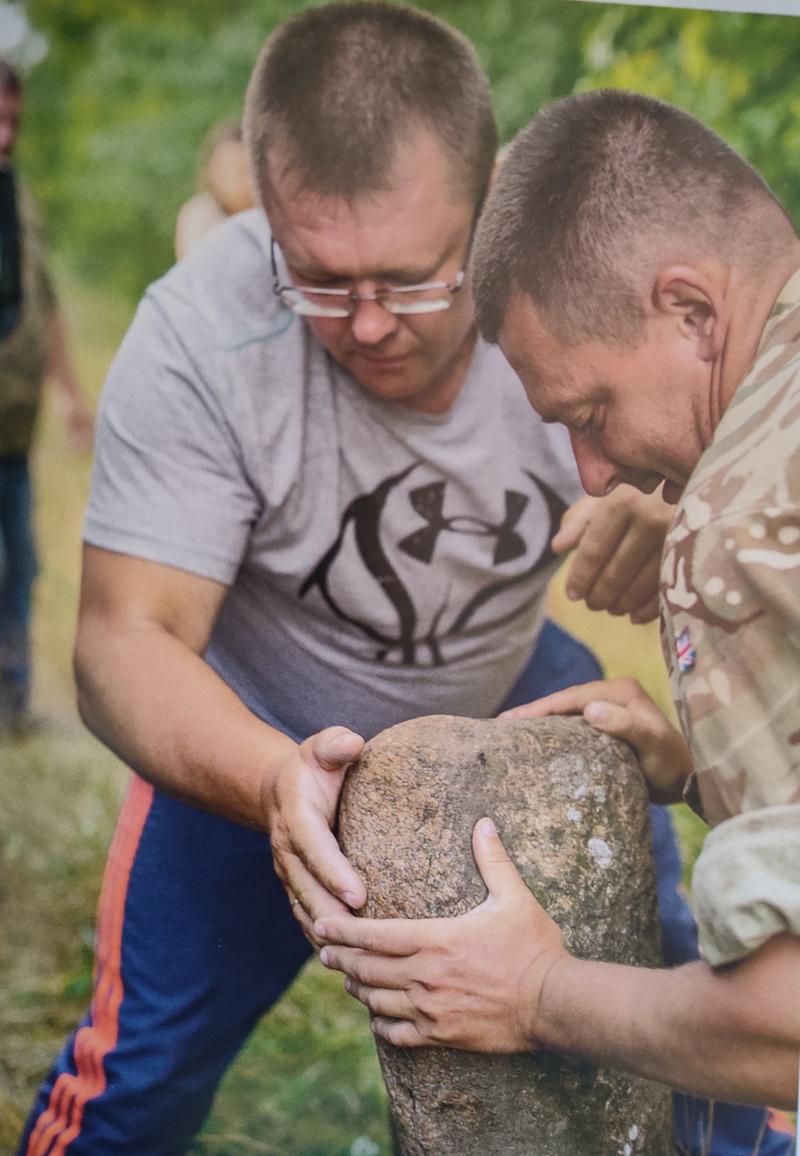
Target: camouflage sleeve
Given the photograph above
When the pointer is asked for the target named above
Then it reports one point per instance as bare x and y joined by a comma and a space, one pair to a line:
739, 697
742, 698
746, 883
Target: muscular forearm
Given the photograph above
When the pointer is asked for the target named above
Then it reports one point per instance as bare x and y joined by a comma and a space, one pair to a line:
166, 713
145, 691
729, 1034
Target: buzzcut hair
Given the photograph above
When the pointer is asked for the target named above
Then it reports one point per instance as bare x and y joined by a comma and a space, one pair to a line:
9, 79
338, 88
589, 187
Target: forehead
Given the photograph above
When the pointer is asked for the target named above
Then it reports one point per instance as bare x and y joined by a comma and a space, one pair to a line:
409, 224
556, 376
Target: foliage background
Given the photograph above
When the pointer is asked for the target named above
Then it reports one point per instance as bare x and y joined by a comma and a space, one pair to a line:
116, 109
128, 88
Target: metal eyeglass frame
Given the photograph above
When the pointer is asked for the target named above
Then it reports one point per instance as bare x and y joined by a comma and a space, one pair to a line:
432, 305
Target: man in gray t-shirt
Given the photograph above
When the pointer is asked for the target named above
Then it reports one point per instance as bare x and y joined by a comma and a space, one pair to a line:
320, 505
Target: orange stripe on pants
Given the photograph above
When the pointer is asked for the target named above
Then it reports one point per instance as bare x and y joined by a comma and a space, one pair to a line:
61, 1121
780, 1122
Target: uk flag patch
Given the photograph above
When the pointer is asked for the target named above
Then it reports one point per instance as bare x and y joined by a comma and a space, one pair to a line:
685, 651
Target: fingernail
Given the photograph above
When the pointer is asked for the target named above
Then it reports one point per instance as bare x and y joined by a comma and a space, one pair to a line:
595, 712
348, 986
319, 930
572, 594
349, 898
488, 827
323, 957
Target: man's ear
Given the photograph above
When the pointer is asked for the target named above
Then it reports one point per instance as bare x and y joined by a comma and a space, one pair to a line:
691, 298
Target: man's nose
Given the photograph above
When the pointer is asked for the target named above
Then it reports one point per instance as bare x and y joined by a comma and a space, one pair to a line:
599, 474
371, 323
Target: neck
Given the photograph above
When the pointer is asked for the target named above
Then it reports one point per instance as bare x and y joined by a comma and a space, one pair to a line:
749, 313
440, 393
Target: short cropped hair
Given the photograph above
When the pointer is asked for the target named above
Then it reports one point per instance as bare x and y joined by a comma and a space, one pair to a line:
588, 185
338, 88
9, 79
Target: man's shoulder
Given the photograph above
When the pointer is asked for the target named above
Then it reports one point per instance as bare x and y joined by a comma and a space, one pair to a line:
754, 458
224, 286
26, 201
30, 220
736, 528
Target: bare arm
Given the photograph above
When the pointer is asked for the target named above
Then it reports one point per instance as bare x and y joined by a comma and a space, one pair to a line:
728, 1033
500, 980
60, 371
196, 218
145, 691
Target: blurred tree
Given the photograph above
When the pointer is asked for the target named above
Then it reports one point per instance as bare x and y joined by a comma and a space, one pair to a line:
119, 105
116, 113
738, 73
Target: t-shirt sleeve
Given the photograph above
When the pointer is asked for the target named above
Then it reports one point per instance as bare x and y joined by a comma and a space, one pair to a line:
169, 483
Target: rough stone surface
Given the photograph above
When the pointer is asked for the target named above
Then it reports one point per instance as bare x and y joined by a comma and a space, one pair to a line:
571, 807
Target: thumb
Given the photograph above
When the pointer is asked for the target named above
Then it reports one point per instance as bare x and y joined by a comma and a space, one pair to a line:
573, 525
614, 720
569, 535
336, 748
497, 871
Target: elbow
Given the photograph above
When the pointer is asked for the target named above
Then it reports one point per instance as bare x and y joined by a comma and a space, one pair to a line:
82, 667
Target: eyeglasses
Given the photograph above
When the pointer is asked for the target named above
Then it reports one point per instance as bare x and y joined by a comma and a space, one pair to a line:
310, 301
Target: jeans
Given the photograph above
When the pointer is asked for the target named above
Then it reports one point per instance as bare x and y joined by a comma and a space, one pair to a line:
17, 573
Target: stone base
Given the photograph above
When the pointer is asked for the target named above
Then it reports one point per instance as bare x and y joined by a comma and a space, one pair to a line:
571, 807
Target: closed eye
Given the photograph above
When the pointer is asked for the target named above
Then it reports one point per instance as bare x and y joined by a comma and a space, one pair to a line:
592, 424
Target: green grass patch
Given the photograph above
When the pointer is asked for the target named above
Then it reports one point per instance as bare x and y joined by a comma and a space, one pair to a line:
306, 1084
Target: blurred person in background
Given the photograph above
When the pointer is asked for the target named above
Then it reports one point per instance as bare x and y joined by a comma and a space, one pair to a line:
224, 183
32, 348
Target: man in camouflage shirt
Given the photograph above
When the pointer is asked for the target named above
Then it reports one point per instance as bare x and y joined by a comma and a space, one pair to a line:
652, 306
731, 630
34, 347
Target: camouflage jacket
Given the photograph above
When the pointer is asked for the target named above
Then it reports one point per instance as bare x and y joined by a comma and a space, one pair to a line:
730, 598
23, 354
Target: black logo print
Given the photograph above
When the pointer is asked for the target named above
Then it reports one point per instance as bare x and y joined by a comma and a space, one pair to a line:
428, 501
365, 513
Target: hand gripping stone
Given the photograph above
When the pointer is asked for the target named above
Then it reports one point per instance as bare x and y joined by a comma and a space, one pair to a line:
571, 807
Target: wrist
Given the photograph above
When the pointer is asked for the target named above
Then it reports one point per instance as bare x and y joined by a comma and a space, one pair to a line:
546, 1027
532, 1016
665, 796
281, 753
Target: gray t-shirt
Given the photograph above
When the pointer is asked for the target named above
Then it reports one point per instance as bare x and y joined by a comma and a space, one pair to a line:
382, 564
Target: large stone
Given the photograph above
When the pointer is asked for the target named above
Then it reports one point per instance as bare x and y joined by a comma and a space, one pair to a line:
571, 807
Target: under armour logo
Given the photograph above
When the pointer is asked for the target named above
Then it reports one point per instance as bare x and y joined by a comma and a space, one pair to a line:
365, 514
428, 501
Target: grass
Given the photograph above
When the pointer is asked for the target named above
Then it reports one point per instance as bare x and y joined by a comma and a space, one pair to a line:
307, 1083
